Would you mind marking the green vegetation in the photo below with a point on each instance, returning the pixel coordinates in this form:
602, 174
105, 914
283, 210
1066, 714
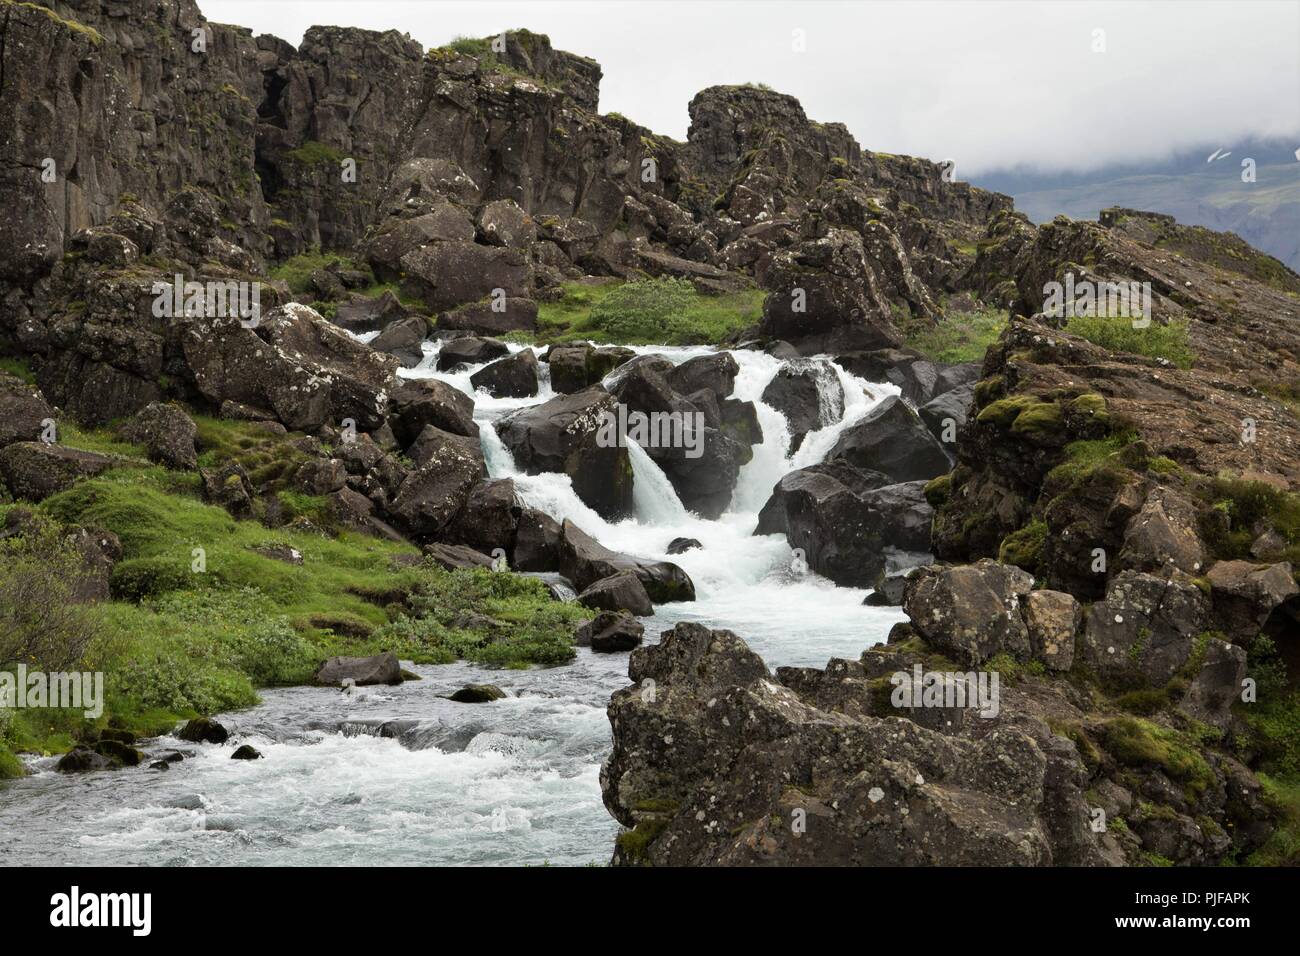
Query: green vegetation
313, 153
18, 368
1238, 508
1135, 742
959, 337
190, 632
297, 270
1119, 335
90, 33
647, 312
1024, 548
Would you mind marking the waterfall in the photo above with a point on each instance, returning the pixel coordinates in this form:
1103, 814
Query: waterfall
654, 500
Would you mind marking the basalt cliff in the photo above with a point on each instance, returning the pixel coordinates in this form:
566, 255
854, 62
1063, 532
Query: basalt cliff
1112, 514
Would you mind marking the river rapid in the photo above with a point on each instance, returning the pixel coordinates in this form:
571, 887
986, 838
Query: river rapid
401, 776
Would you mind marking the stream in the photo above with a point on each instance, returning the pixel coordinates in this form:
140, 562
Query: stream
401, 776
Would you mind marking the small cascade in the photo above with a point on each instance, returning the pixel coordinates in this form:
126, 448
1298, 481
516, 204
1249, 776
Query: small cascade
654, 499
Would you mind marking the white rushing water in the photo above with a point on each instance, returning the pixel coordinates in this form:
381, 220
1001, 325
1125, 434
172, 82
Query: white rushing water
512, 782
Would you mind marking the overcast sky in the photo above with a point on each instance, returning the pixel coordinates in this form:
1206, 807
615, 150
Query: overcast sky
990, 85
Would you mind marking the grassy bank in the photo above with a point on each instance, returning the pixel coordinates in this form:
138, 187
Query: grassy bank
204, 610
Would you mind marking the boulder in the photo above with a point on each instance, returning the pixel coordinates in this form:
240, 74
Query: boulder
447, 274
610, 632
370, 314
503, 223
84, 760
892, 439
23, 412
456, 557
433, 439
427, 401
434, 492
716, 372
584, 561
360, 671
512, 377
477, 694
1216, 683
1145, 629
166, 433
971, 612
305, 370
808, 393
246, 752
618, 592
537, 542
203, 730
562, 435
229, 487
682, 545
489, 519
1244, 595
575, 367
1163, 536
469, 350
494, 317
1053, 619
403, 339
34, 470
945, 414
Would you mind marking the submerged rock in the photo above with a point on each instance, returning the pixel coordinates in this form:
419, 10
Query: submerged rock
360, 671
204, 730
477, 694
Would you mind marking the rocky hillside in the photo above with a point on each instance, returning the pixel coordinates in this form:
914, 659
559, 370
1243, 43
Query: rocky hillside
1113, 505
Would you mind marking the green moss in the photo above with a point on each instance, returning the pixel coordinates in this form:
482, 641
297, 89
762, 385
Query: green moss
296, 272
1283, 846
1024, 547
1135, 742
635, 843
19, 369
81, 29
1039, 419
1004, 411
938, 489
986, 390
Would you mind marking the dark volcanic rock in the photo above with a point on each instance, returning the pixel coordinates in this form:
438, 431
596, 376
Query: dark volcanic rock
584, 561
204, 730
610, 632
561, 435
809, 395
427, 401
477, 694
470, 350
34, 470
893, 440
682, 545
166, 433
618, 592
513, 377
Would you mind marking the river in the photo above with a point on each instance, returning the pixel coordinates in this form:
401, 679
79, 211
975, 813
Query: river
401, 776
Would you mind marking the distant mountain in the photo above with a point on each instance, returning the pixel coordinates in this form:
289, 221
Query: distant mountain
1192, 187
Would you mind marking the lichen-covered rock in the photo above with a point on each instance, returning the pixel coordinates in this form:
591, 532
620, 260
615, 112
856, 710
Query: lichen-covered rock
35, 470
1245, 595
1053, 619
1145, 629
166, 433
971, 612
511, 377
618, 592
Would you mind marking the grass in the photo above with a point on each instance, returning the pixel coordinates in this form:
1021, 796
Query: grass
296, 272
1238, 507
647, 312
314, 153
1168, 342
1135, 742
960, 337
19, 369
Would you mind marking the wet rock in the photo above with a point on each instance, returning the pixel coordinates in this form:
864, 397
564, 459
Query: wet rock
716, 372
575, 367
562, 435
682, 545
891, 439
513, 377
246, 752
537, 542
477, 694
809, 395
584, 561
83, 760
361, 671
618, 592
403, 339
204, 730
971, 612
470, 350
610, 632
945, 414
